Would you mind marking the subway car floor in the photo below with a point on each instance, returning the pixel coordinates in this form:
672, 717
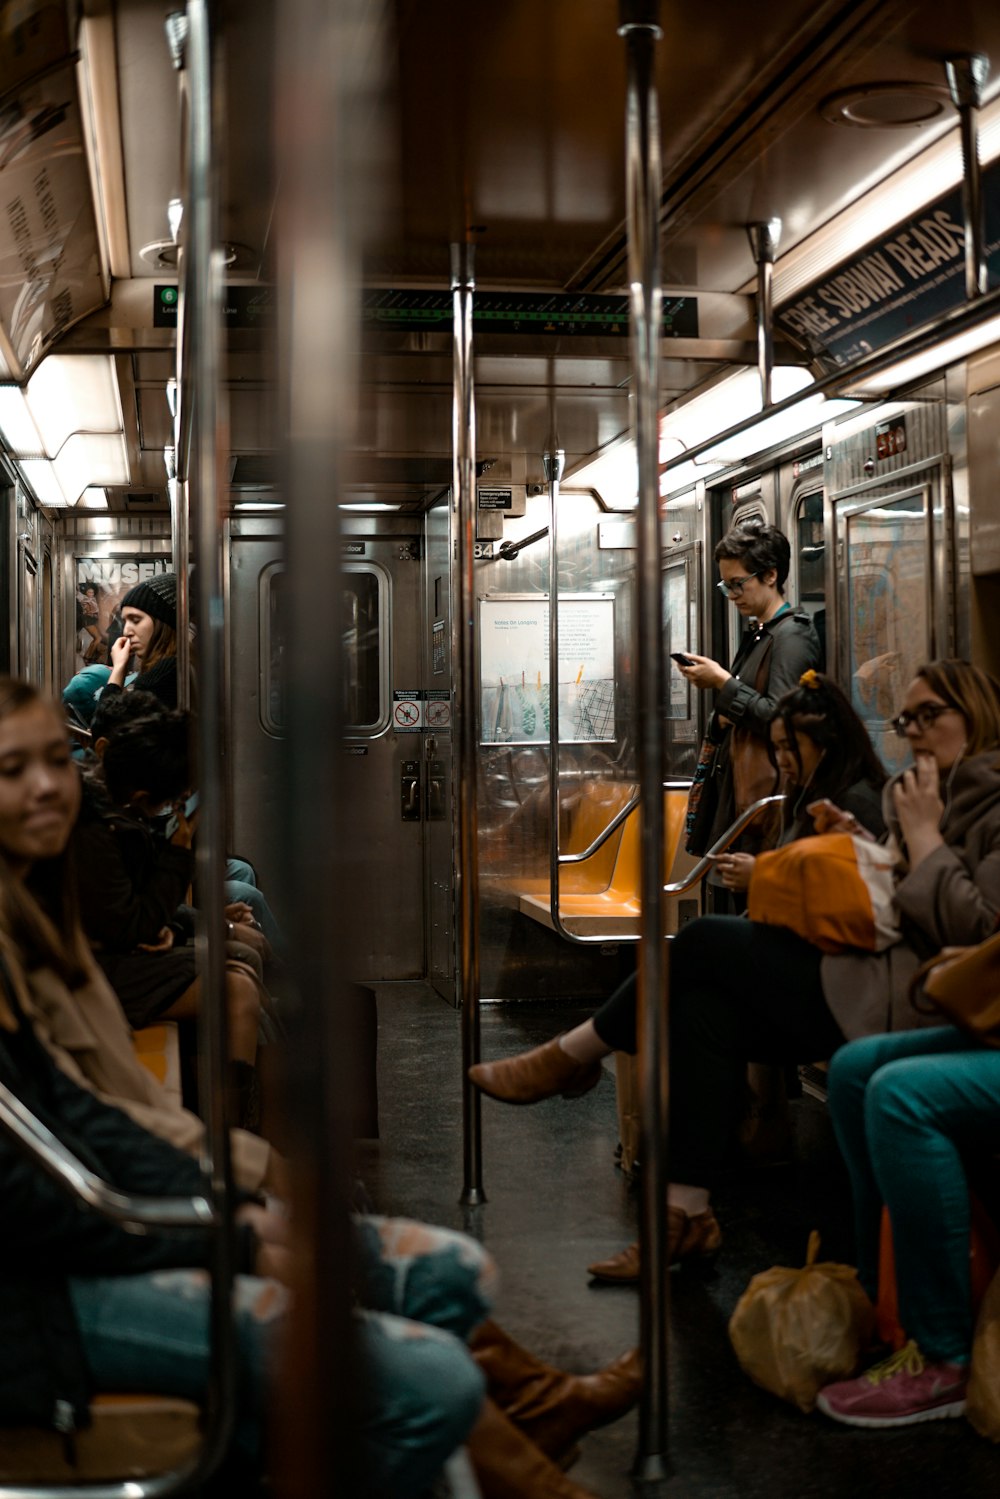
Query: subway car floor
556, 1201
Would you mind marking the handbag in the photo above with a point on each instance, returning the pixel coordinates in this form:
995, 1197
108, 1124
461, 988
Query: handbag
834, 889
963, 984
703, 798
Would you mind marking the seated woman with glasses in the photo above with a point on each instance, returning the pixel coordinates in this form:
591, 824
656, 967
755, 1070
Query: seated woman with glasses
753, 560
744, 992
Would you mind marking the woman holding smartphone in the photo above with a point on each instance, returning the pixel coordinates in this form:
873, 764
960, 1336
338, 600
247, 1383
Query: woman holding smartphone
754, 561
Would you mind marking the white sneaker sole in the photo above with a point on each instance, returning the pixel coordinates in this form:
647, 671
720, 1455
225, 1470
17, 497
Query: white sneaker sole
934, 1413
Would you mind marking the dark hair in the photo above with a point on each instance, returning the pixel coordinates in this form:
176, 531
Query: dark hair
819, 709
759, 547
116, 708
974, 693
149, 754
39, 916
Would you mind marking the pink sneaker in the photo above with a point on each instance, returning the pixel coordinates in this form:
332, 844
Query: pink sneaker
900, 1391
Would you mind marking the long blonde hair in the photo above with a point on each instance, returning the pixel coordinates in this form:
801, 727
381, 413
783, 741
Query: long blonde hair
39, 916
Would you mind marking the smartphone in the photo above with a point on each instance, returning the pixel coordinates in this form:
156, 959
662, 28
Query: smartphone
680, 656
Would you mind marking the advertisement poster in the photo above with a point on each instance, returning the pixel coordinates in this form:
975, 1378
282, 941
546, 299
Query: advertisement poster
101, 583
514, 669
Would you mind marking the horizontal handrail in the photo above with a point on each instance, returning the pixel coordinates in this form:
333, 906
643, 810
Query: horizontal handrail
604, 834
721, 844
35, 1140
615, 823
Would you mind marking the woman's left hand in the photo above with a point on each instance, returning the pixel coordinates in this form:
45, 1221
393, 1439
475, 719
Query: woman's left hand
735, 870
704, 672
917, 799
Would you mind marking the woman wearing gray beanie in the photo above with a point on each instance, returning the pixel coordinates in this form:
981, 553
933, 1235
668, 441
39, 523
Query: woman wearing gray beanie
148, 643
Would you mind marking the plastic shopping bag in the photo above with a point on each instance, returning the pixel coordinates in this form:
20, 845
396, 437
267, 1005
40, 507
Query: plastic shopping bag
795, 1331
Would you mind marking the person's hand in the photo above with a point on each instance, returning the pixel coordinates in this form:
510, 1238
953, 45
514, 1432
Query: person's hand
240, 912
121, 651
274, 1258
735, 870
704, 672
917, 799
252, 937
277, 1177
829, 818
163, 943
183, 834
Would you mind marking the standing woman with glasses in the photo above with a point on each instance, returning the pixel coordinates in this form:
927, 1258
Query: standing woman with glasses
753, 564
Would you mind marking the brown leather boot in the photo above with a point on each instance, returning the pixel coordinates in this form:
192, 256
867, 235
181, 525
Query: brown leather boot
697, 1238
508, 1465
536, 1074
552, 1407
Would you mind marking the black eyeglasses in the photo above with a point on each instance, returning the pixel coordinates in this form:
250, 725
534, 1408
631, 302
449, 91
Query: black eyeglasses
733, 587
924, 717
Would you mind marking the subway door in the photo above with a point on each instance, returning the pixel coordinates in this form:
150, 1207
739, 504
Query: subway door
383, 739
386, 766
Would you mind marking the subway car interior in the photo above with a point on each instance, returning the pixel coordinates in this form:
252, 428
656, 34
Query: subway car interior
383, 324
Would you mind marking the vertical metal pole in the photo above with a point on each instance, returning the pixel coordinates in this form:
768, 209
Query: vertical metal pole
204, 322
641, 31
180, 548
966, 79
764, 244
554, 463
463, 435
326, 109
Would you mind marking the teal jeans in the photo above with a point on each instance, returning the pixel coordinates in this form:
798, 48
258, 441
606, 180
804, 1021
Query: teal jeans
424, 1290
908, 1108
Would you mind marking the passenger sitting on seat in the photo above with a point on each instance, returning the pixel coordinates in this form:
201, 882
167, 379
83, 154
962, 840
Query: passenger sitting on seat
908, 1109
131, 879
245, 901
741, 991
148, 643
821, 750
405, 1269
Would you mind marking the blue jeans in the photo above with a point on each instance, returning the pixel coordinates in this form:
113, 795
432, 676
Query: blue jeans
907, 1107
426, 1289
241, 884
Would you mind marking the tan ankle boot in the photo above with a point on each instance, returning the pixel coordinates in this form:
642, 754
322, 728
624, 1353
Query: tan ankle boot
552, 1407
697, 1238
536, 1074
509, 1466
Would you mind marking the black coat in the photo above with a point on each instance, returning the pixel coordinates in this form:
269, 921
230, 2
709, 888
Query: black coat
776, 653
130, 878
48, 1236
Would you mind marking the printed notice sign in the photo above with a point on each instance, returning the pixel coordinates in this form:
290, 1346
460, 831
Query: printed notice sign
514, 669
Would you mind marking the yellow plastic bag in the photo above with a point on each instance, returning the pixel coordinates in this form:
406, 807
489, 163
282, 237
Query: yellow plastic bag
795, 1331
983, 1399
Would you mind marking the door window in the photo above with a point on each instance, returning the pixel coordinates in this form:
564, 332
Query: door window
364, 649
887, 611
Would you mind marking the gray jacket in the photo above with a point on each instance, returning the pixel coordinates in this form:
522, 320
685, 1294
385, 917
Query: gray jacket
952, 899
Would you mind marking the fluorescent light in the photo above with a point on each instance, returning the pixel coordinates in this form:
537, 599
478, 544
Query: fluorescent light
929, 360
93, 499
613, 474
264, 505
374, 505
40, 474
17, 424
71, 393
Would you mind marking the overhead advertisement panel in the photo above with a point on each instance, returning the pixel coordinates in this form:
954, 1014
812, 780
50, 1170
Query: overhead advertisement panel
49, 264
899, 282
